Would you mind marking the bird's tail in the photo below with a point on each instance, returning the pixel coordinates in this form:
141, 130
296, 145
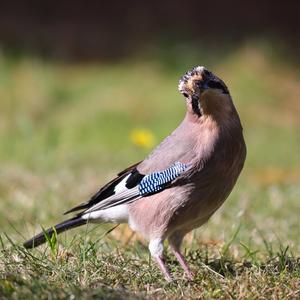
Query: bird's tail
59, 228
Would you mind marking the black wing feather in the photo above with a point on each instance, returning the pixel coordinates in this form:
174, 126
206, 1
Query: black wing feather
108, 189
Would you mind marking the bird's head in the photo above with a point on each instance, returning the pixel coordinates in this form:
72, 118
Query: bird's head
205, 93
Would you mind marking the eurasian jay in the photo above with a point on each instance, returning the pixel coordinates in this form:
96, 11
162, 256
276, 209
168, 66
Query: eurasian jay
185, 179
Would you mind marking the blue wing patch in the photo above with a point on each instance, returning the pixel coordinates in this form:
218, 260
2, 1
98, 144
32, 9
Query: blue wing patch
155, 182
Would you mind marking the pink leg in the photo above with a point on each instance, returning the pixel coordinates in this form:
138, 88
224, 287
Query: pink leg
163, 269
183, 264
175, 242
156, 249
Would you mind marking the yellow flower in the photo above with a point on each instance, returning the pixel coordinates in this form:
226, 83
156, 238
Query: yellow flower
142, 138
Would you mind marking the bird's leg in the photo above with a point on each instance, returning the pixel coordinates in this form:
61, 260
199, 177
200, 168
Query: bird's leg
175, 242
183, 264
163, 268
156, 249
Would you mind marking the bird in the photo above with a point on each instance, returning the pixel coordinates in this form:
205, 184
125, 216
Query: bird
181, 183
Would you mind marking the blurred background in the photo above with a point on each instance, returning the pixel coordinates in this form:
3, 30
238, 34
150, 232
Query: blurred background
88, 89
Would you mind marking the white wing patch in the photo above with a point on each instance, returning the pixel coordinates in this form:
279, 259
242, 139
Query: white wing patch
121, 186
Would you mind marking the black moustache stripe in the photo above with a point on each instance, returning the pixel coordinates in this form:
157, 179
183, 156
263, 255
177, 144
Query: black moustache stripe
196, 105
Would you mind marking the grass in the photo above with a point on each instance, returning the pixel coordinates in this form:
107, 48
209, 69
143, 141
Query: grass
66, 129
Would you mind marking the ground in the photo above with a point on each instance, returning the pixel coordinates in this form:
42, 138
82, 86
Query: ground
66, 129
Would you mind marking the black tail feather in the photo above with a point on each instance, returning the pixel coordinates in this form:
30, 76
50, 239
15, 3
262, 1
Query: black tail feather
59, 228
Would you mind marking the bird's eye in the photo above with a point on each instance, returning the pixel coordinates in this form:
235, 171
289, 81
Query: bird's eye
185, 95
215, 85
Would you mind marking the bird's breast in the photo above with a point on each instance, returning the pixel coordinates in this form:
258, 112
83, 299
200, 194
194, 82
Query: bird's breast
210, 185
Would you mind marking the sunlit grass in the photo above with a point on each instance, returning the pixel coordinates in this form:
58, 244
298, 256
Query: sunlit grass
66, 129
